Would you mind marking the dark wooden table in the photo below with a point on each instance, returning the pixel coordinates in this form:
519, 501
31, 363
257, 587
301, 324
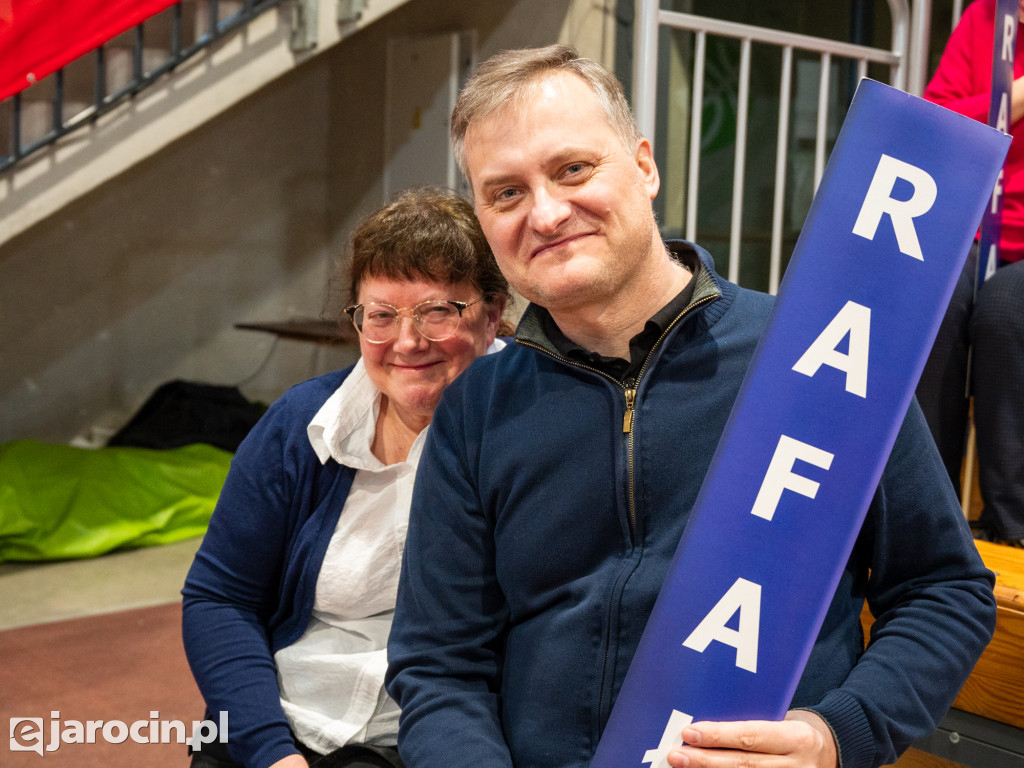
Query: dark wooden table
315, 330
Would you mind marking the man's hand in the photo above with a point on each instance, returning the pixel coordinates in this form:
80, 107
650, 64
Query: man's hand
802, 740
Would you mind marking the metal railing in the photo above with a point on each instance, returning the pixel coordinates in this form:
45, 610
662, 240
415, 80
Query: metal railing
650, 18
207, 27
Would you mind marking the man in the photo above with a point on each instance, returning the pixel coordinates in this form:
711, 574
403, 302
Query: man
558, 476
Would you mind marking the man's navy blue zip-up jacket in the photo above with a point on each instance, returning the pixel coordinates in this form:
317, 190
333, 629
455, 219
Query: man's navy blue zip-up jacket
541, 533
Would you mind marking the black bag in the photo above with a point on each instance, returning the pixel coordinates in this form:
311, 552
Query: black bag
184, 412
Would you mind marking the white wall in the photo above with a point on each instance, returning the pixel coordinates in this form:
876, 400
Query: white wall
141, 280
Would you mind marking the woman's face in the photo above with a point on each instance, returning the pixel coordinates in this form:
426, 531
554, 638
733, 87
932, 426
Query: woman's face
410, 370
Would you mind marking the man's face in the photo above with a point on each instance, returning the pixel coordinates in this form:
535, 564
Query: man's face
564, 205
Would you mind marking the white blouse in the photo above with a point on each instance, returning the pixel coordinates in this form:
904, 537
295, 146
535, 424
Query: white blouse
332, 678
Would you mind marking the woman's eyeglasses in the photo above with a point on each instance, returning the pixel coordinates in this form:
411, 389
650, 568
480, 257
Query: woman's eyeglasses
435, 320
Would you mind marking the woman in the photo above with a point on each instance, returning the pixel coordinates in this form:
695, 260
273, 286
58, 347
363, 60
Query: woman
288, 604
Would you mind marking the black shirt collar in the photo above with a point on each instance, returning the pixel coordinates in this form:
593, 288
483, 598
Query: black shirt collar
639, 346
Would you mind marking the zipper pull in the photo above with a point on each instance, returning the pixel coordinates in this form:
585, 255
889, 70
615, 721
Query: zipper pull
627, 417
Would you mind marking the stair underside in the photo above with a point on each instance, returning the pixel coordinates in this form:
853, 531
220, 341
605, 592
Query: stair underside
200, 89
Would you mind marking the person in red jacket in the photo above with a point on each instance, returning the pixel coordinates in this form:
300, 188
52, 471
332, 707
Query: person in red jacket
993, 324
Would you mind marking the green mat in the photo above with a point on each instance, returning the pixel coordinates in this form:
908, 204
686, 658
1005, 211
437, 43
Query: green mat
60, 502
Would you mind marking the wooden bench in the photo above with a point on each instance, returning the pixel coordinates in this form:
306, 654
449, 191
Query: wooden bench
985, 728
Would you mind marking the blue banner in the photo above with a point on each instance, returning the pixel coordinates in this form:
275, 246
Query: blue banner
1004, 45
813, 424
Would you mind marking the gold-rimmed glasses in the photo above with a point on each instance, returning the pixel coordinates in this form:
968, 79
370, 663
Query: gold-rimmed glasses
435, 319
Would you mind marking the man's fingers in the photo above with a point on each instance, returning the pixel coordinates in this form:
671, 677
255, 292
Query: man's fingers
796, 741
746, 736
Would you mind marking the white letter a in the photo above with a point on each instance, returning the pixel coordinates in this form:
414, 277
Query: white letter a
853, 319
743, 596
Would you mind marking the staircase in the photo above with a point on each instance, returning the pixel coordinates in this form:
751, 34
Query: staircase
150, 86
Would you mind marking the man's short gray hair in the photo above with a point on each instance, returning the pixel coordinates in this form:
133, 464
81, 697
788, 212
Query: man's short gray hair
505, 77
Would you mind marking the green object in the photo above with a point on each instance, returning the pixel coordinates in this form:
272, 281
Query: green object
59, 502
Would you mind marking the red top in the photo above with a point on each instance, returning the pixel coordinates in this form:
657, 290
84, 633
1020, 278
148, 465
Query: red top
963, 83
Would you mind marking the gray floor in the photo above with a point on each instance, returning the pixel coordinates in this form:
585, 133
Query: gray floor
34, 593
